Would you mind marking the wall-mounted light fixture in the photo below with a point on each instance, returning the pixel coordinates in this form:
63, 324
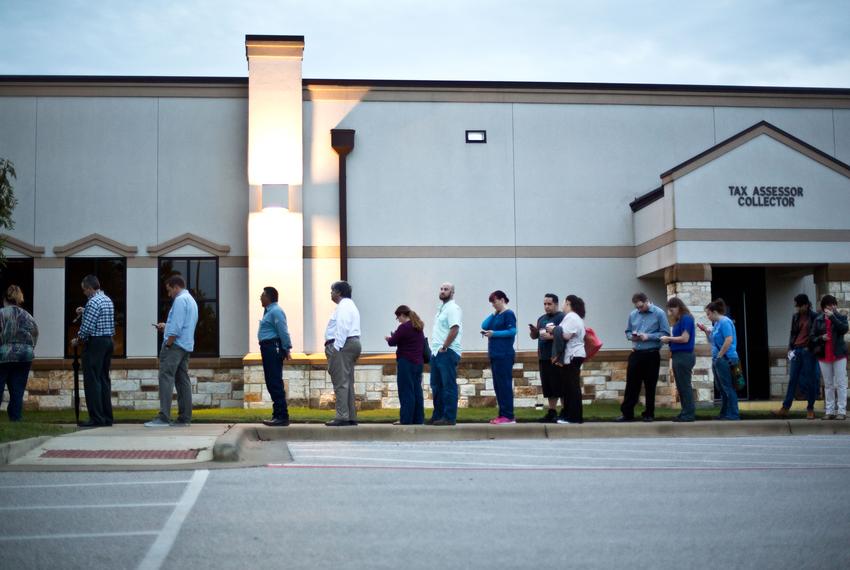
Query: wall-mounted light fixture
276, 196
476, 136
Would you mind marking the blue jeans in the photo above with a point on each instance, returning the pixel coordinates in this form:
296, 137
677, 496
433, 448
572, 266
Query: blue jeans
444, 385
14, 374
272, 356
728, 396
683, 368
805, 372
409, 380
503, 384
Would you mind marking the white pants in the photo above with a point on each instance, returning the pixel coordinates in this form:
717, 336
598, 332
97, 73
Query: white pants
835, 384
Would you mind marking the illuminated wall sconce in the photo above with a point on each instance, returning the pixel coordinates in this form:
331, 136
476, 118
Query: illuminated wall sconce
276, 196
476, 136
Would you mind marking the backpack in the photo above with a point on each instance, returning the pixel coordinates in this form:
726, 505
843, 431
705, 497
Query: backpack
592, 344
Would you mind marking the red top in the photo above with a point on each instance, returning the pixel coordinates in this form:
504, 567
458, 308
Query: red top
829, 354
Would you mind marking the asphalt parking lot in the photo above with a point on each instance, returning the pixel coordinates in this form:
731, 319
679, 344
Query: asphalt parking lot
748, 502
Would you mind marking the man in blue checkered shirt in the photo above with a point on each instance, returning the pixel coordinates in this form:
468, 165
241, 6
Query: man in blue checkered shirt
96, 332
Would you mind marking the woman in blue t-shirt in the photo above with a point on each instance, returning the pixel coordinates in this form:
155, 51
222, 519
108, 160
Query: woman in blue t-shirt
500, 330
681, 343
724, 356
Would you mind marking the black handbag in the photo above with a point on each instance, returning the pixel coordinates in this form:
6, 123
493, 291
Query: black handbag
426, 351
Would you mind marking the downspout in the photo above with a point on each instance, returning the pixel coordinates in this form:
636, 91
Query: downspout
342, 141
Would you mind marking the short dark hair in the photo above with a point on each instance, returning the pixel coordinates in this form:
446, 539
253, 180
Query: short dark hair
343, 288
91, 282
176, 281
498, 294
271, 293
802, 300
551, 296
827, 300
717, 306
639, 296
577, 305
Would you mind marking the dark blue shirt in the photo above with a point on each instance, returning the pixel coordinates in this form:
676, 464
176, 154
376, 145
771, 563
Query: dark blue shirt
503, 326
686, 323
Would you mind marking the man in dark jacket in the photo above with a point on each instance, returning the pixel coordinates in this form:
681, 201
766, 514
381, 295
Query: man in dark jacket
827, 338
802, 364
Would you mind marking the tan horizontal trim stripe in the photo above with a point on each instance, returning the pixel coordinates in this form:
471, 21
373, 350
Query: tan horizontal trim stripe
142, 263
200, 91
395, 94
321, 252
585, 251
494, 252
233, 261
601, 97
728, 235
48, 263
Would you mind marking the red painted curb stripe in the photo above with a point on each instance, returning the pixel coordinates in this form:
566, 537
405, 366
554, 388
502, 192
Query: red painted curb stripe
121, 454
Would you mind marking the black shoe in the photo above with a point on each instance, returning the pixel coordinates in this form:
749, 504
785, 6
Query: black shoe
648, 419
276, 422
431, 422
339, 423
444, 423
624, 419
551, 417
89, 424
681, 419
352, 422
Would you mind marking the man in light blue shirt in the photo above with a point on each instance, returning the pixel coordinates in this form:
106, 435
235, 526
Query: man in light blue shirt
178, 343
275, 345
445, 347
645, 327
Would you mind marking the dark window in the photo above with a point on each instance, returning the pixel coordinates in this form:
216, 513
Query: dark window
18, 271
112, 274
201, 276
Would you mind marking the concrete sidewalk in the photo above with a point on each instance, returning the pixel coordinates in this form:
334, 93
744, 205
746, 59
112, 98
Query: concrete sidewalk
126, 445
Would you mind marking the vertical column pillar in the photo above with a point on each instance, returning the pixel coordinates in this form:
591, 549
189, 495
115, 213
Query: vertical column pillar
275, 171
692, 284
833, 279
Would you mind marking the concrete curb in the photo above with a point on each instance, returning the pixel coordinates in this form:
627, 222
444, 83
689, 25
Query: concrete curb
12, 450
230, 445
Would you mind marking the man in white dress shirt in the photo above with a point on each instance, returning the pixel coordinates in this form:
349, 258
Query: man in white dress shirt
342, 348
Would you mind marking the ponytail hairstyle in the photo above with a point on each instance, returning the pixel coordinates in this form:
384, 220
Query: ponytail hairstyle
717, 306
675, 302
415, 320
14, 296
577, 305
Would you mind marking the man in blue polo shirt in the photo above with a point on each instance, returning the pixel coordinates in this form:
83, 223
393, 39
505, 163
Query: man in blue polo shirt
275, 346
178, 343
647, 324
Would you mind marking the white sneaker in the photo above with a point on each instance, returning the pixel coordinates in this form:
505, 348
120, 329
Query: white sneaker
562, 421
157, 422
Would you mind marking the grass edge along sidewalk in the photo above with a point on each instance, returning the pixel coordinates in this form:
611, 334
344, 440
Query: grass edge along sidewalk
50, 422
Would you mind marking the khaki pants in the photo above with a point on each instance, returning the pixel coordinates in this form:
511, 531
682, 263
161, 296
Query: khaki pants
341, 369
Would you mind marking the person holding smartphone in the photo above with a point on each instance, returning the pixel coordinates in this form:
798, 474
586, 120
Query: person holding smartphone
500, 330
548, 375
827, 336
681, 344
646, 325
724, 356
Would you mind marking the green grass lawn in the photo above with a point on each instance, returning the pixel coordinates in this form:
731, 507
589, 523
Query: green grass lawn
592, 412
13, 431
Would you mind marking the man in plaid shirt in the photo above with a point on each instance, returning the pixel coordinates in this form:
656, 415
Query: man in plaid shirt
96, 332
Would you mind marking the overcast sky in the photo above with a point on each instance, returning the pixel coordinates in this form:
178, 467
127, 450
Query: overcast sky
743, 42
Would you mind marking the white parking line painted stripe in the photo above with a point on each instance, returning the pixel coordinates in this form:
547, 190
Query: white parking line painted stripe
110, 506
78, 535
107, 484
159, 550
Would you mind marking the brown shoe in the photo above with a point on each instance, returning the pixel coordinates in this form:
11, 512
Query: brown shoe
780, 413
810, 415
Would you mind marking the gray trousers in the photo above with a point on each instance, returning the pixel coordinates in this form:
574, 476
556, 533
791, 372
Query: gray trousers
174, 372
341, 369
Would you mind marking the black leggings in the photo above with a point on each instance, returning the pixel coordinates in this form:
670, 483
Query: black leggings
571, 390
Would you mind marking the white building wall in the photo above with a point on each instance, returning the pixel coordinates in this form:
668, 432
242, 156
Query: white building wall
142, 287
782, 286
49, 311
17, 143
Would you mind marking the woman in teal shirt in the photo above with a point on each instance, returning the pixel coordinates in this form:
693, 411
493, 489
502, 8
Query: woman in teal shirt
724, 356
500, 330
